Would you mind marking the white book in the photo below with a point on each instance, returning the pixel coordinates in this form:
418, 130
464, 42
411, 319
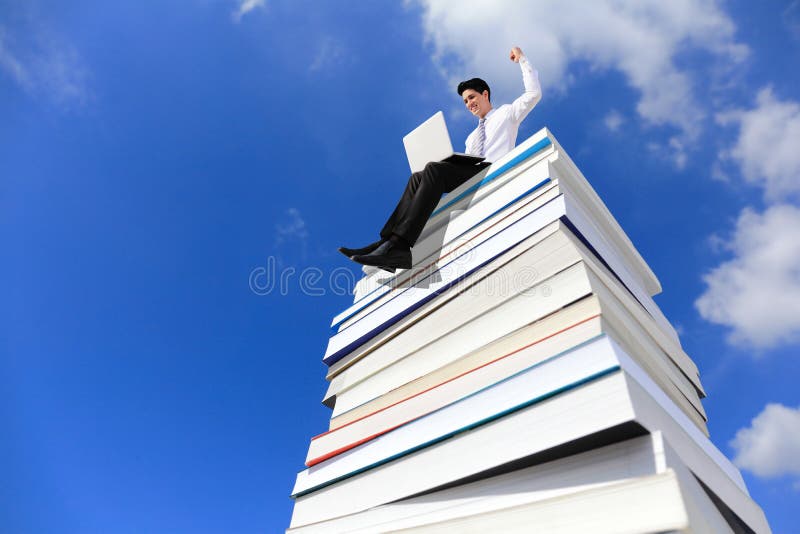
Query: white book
459, 291
409, 299
632, 458
603, 403
647, 504
637, 485
514, 285
538, 381
587, 410
474, 319
541, 332
426, 402
472, 328
514, 353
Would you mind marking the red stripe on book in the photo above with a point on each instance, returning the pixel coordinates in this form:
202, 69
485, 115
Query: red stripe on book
315, 461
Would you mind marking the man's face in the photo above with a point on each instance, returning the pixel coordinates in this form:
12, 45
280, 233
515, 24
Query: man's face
477, 103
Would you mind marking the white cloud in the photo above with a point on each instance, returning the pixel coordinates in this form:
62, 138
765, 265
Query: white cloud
9, 63
677, 149
791, 19
757, 293
245, 7
42, 65
330, 52
613, 120
770, 446
293, 228
639, 38
767, 146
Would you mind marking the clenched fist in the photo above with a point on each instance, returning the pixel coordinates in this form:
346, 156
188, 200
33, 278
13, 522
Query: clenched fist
516, 53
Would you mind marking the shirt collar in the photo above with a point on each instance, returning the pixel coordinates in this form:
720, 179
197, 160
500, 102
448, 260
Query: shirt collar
486, 117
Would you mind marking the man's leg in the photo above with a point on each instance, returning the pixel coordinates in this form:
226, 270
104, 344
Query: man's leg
386, 233
403, 204
422, 194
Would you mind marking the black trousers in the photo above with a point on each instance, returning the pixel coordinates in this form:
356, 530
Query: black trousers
423, 192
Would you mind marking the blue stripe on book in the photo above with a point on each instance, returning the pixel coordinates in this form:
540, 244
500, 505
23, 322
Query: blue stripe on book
522, 156
472, 426
497, 211
341, 353
548, 359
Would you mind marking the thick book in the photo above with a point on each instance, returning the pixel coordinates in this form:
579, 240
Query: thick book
636, 485
410, 375
541, 380
603, 401
481, 314
529, 345
545, 332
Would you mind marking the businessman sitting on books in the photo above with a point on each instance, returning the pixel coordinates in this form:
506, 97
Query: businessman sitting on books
495, 136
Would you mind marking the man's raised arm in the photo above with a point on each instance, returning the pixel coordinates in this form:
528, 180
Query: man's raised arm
533, 90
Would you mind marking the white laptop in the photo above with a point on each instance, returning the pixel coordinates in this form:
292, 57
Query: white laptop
430, 141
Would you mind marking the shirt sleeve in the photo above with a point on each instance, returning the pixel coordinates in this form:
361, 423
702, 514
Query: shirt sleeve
533, 92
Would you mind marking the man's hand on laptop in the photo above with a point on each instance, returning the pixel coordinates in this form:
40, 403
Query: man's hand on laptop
516, 53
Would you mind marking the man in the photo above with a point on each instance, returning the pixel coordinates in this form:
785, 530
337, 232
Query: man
495, 136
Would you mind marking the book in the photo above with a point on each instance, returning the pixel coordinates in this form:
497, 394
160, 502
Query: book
529, 345
636, 485
541, 380
476, 318
452, 390
539, 331
604, 404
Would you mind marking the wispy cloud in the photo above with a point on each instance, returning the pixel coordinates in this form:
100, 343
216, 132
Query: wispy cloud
330, 52
12, 66
44, 66
613, 120
244, 7
791, 19
770, 446
642, 39
292, 230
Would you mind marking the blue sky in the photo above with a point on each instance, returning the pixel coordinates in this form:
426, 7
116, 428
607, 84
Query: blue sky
157, 157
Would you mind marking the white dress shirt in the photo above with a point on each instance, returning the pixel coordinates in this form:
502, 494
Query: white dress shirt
502, 124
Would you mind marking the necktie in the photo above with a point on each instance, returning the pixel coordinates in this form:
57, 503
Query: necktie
481, 141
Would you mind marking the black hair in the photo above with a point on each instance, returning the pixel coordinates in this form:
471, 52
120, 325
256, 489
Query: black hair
475, 83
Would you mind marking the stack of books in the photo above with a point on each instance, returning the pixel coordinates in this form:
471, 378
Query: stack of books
519, 378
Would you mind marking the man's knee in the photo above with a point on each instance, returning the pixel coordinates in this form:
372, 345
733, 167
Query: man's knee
432, 171
433, 167
415, 179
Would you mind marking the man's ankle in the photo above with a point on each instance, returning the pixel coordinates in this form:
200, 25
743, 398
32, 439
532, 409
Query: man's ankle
399, 241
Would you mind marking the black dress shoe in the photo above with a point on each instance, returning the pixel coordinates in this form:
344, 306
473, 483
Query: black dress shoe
350, 252
387, 256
